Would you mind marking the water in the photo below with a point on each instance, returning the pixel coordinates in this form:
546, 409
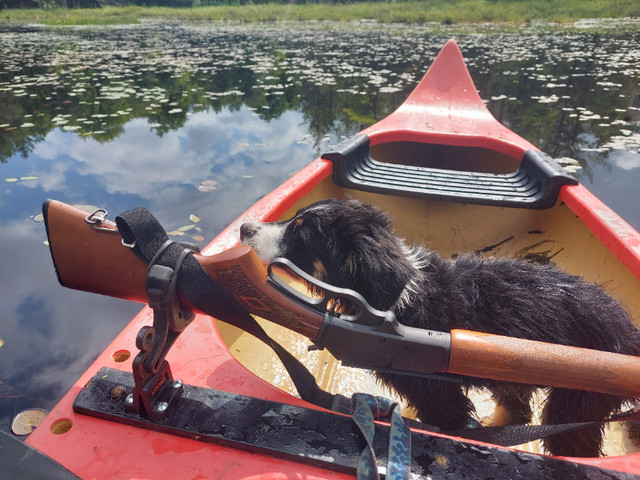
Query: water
198, 122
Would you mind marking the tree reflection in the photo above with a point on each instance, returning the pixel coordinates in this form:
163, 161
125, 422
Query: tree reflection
567, 96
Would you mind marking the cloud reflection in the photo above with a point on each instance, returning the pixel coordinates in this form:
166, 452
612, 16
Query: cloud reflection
222, 146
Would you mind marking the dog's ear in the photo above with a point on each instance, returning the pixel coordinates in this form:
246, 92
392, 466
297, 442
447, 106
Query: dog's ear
369, 257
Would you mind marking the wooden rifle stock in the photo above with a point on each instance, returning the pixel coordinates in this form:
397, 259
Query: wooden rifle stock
96, 261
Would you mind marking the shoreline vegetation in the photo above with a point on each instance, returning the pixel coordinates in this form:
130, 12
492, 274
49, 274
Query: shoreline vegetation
505, 13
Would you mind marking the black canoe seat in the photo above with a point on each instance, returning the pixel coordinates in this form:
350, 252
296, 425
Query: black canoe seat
535, 184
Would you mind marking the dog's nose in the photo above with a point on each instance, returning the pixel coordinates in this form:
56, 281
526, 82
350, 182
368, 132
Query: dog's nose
247, 230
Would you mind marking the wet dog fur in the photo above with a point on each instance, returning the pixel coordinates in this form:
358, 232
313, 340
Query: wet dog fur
352, 244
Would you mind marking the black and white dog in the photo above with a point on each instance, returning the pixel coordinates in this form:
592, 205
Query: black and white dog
352, 244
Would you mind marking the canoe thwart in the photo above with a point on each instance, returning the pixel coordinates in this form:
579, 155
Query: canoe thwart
316, 437
534, 185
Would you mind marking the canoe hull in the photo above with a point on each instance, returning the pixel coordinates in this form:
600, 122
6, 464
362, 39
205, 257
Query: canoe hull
445, 118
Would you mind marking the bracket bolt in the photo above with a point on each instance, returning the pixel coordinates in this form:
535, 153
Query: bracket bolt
161, 407
118, 391
129, 400
177, 384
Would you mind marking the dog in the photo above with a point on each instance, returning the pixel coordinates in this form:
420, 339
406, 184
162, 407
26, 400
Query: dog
352, 244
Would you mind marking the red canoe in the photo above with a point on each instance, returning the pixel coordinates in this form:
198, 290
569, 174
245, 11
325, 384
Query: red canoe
493, 191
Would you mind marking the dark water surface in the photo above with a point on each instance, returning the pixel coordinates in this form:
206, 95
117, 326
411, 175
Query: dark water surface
198, 122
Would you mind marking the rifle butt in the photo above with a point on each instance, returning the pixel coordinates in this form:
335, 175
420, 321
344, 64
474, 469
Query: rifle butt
90, 260
95, 260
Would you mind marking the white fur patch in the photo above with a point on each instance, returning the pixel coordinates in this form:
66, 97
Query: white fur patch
267, 240
416, 257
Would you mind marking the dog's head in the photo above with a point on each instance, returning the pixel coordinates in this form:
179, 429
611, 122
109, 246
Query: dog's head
344, 243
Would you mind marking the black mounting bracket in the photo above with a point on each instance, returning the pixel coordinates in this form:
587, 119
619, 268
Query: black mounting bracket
155, 389
316, 437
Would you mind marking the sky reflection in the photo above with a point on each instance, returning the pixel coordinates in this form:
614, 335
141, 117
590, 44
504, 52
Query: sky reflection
141, 116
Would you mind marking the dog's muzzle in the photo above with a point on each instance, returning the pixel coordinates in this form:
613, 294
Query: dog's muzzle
247, 231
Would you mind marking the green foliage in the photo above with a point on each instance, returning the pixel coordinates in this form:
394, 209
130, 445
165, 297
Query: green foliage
407, 11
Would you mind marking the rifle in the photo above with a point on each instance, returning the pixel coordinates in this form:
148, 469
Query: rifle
92, 257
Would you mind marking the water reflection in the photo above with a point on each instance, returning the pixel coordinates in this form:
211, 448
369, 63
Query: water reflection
131, 116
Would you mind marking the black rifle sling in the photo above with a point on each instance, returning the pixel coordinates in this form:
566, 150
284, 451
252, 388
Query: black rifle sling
144, 234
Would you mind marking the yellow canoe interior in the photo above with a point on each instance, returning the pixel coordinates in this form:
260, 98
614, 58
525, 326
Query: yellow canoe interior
554, 235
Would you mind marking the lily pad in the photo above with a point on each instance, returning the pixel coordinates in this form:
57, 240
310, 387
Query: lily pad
208, 186
194, 218
26, 421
